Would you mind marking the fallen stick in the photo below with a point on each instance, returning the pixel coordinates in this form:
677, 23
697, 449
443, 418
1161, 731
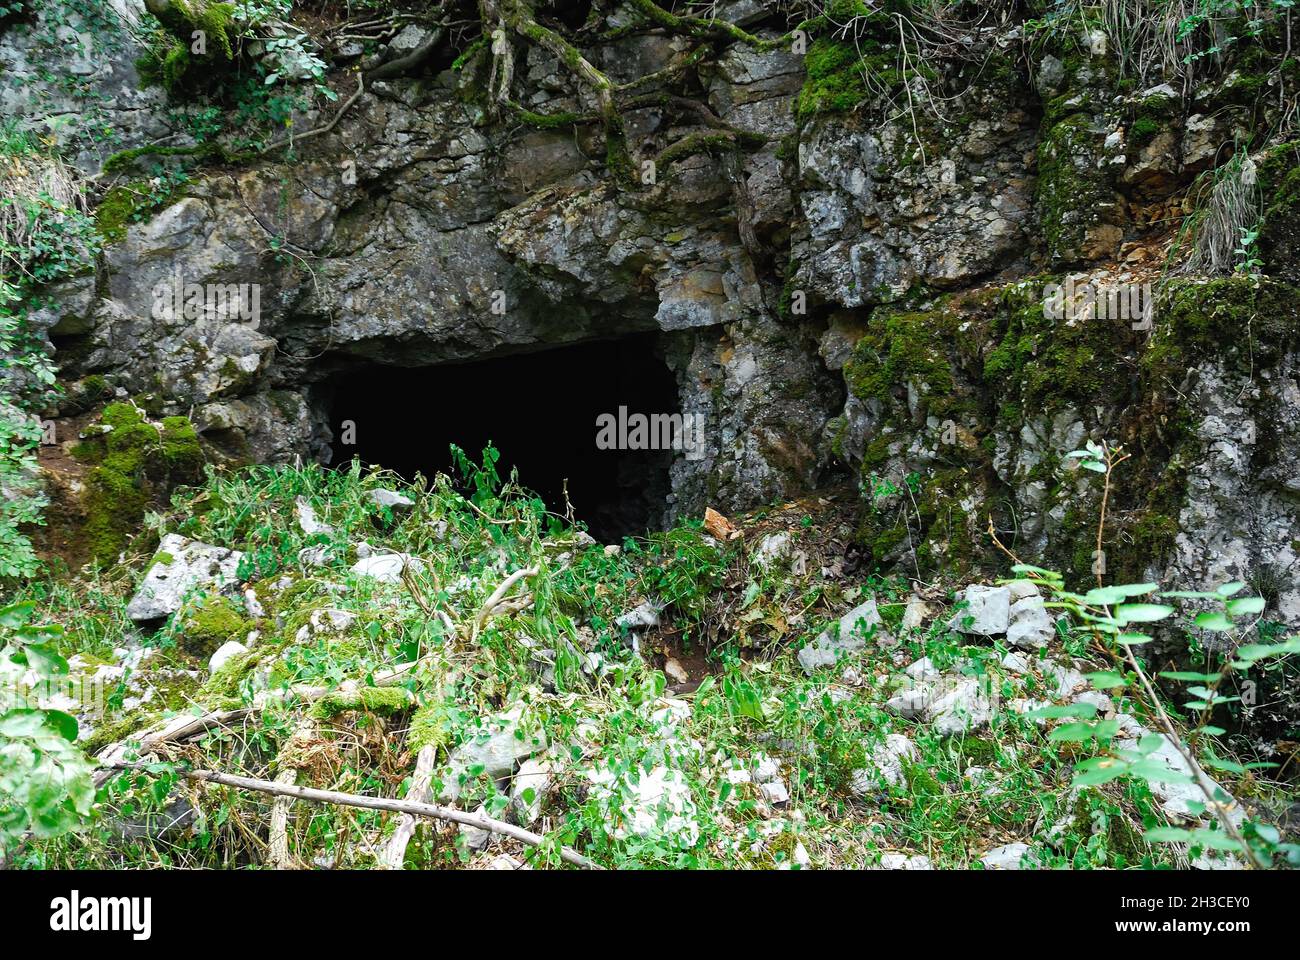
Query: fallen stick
394, 854
184, 727
431, 810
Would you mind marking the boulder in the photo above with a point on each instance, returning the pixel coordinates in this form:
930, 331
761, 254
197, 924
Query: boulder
179, 566
1029, 626
987, 612
884, 765
229, 649
848, 636
385, 567
389, 499
476, 838
1005, 857
960, 708
500, 743
534, 775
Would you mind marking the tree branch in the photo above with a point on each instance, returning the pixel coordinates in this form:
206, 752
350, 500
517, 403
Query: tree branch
430, 810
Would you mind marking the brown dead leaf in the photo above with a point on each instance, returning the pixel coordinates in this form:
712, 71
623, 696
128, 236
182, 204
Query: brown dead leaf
716, 525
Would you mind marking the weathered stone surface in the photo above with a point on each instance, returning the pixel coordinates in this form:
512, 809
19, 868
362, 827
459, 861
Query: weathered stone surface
1029, 626
229, 649
385, 567
848, 636
885, 765
499, 743
181, 565
1005, 857
987, 611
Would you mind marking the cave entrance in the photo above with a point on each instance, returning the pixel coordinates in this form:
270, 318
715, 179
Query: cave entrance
538, 409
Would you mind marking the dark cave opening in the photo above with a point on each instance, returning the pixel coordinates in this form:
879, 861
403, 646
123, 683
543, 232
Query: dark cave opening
538, 409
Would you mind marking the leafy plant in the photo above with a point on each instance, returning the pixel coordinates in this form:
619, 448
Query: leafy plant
45, 779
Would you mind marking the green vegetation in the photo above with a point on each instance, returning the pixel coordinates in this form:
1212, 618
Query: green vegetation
134, 461
349, 677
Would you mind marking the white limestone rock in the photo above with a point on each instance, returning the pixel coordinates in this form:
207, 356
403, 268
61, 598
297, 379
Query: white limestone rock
385, 567
901, 861
1005, 857
229, 649
885, 764
180, 566
987, 612
1029, 626
848, 636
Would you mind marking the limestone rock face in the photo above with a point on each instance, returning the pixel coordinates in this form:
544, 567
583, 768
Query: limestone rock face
857, 294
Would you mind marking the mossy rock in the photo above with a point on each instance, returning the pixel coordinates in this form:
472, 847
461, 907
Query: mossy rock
430, 727
131, 203
135, 463
175, 63
205, 627
1279, 230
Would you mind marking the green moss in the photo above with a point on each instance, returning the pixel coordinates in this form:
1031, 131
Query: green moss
1241, 321
225, 682
1144, 130
180, 445
130, 203
840, 75
134, 463
430, 726
207, 627
384, 701
1071, 191
978, 752
169, 64
1279, 228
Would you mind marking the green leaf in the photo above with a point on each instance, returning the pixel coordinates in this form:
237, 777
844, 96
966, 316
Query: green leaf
1226, 766
1099, 770
1251, 652
1228, 589
1213, 620
1167, 835
16, 615
65, 723
1132, 639
1189, 676
1105, 679
1142, 612
46, 661
1155, 771
1267, 832
1215, 840
1246, 606
21, 723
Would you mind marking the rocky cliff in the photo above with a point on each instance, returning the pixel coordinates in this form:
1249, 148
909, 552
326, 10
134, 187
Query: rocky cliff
840, 222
